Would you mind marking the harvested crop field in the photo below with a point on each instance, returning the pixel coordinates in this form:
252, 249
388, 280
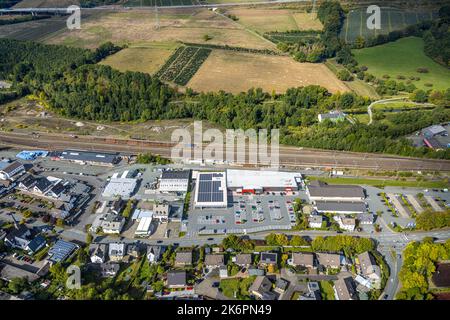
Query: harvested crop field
236, 72
33, 30
188, 25
266, 20
147, 58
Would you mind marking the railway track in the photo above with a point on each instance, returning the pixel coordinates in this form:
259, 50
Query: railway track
289, 156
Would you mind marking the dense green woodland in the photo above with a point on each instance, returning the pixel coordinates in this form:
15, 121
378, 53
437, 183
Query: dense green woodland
70, 82
419, 264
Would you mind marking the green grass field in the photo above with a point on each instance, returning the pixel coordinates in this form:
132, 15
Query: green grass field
403, 57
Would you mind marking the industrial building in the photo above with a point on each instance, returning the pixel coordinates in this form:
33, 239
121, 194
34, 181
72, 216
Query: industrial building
333, 116
320, 191
143, 228
436, 137
31, 155
175, 181
88, 157
341, 207
211, 190
258, 181
120, 187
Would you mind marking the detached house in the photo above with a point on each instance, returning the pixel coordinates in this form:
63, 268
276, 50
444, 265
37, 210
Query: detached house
243, 259
183, 259
368, 267
117, 251
331, 260
12, 170
344, 289
100, 254
214, 261
262, 288
154, 253
303, 259
268, 258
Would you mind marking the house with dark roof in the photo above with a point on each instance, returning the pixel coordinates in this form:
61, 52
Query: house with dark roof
19, 237
12, 170
281, 286
267, 258
176, 279
261, 286
344, 289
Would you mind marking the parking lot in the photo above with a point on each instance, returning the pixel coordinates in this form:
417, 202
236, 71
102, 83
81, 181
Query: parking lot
244, 212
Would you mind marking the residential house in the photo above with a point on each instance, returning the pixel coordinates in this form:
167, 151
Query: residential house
346, 223
334, 116
12, 170
183, 259
176, 279
281, 285
133, 250
369, 268
344, 289
303, 259
112, 223
214, 261
154, 253
117, 251
268, 258
109, 269
260, 286
313, 292
243, 259
254, 271
100, 254
366, 218
20, 237
315, 221
331, 260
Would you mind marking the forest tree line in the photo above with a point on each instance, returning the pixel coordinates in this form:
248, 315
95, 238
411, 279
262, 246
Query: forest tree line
69, 82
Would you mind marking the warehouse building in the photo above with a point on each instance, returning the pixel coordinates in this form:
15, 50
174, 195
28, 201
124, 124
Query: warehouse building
88, 157
211, 190
120, 187
257, 182
341, 207
320, 191
175, 181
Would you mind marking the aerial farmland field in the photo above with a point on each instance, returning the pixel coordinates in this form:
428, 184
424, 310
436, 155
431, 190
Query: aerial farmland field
236, 72
146, 57
403, 57
269, 19
391, 19
188, 25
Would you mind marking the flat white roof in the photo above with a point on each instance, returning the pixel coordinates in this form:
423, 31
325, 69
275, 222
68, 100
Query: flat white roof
256, 179
120, 187
144, 225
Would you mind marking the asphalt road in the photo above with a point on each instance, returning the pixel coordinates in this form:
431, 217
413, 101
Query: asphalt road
289, 156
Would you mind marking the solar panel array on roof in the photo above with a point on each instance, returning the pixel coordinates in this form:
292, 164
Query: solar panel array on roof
61, 250
208, 189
